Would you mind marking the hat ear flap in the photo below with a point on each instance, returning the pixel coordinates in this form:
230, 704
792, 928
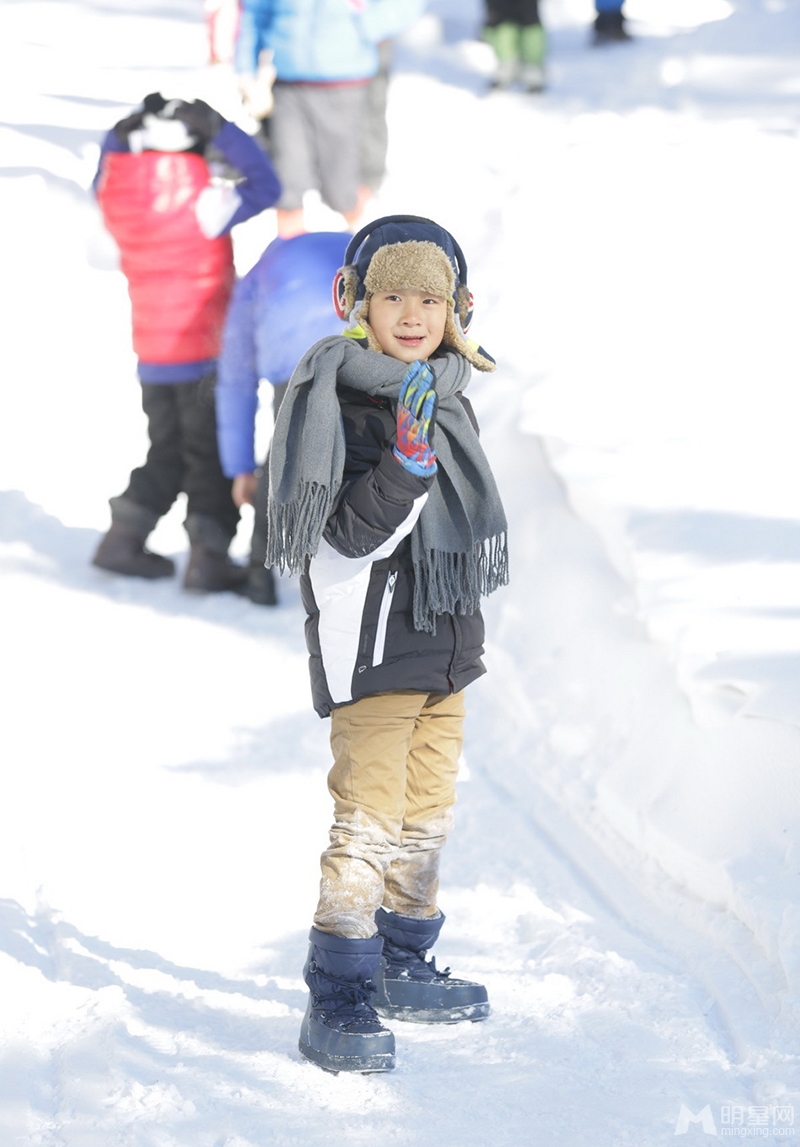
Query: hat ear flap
339, 296
345, 286
464, 306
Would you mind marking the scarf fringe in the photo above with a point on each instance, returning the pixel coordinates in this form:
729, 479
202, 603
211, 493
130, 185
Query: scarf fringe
455, 583
294, 529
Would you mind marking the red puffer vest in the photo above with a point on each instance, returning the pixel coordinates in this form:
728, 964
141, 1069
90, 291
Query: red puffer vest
178, 280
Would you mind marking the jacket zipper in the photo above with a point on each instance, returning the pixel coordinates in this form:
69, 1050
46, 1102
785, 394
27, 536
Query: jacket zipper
456, 650
383, 619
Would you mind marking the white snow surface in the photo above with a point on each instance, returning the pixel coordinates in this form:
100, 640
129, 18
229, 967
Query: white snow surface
624, 870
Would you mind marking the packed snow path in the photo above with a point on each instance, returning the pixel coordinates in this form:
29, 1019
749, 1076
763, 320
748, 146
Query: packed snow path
165, 800
607, 1014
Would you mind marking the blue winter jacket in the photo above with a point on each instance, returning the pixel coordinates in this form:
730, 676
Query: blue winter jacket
320, 41
278, 310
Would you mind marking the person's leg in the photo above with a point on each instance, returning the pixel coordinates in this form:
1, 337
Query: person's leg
374, 138
532, 46
258, 539
371, 740
158, 482
341, 1030
609, 24
292, 154
501, 32
208, 491
260, 587
212, 516
408, 986
338, 115
412, 879
151, 490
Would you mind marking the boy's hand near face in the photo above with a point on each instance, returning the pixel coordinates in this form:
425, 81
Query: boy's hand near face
415, 407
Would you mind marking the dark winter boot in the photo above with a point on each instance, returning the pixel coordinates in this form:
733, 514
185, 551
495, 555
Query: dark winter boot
122, 550
341, 1030
260, 585
411, 988
210, 570
609, 28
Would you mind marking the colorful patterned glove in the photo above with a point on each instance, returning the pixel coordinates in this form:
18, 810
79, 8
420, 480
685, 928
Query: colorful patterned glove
414, 412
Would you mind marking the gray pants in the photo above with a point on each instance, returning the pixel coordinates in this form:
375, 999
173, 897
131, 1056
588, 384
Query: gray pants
315, 131
375, 134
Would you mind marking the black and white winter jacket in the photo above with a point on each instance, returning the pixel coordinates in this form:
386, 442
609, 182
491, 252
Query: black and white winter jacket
358, 589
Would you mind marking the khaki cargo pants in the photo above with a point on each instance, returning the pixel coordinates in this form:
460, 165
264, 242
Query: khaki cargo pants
393, 785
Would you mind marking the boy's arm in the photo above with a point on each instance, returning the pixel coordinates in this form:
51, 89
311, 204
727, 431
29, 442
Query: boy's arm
236, 392
376, 504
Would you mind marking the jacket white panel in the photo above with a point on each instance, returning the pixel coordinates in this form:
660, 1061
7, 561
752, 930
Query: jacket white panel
340, 587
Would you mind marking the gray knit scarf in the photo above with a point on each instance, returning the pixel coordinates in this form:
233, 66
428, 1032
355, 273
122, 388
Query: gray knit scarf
458, 545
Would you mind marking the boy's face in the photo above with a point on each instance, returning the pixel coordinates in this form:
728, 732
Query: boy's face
409, 325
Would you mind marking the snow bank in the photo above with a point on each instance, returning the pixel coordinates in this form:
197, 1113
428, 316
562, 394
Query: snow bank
642, 266
634, 240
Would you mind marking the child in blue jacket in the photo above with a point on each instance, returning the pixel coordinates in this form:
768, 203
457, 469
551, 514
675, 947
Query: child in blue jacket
278, 310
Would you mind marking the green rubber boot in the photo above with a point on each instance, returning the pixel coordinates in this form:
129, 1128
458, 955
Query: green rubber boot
533, 46
504, 42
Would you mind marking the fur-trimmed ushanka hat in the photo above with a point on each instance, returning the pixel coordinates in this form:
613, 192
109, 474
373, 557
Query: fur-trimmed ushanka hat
408, 252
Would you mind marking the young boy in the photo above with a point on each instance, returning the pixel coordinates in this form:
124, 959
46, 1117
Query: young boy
381, 494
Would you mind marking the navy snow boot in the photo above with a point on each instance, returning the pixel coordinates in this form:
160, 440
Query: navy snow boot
341, 1030
411, 988
609, 28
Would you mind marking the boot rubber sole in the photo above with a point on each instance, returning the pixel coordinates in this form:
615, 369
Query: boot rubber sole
367, 1064
454, 1015
149, 571
341, 1051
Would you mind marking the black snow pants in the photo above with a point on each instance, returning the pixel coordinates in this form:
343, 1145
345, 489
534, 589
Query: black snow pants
183, 454
522, 12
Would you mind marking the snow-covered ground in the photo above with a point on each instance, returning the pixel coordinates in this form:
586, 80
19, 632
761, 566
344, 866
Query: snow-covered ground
624, 871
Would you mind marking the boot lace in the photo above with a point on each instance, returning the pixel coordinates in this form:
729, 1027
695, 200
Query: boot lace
412, 965
346, 1000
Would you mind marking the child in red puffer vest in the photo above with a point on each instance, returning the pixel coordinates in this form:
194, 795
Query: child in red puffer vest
171, 216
